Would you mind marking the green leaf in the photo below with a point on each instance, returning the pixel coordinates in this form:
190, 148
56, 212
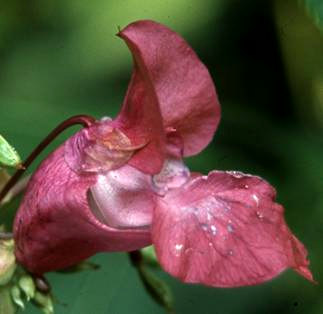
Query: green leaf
315, 10
8, 155
6, 304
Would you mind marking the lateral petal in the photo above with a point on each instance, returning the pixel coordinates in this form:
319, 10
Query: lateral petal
225, 230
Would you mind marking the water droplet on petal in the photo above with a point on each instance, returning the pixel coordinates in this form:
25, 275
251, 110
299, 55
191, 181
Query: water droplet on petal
178, 247
230, 228
210, 244
255, 198
260, 215
173, 175
230, 252
204, 227
213, 229
246, 186
106, 119
235, 174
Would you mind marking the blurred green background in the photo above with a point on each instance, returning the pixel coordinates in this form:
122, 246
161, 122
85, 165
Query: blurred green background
61, 58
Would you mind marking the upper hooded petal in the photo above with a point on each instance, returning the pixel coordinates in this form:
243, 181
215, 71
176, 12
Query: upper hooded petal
169, 79
225, 230
55, 227
141, 121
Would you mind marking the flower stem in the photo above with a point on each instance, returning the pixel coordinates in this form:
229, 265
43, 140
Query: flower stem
84, 120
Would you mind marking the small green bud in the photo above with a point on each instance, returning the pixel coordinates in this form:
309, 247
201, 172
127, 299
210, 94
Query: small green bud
8, 155
45, 302
7, 261
149, 255
27, 285
16, 297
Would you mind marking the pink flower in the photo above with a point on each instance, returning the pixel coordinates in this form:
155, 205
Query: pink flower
121, 184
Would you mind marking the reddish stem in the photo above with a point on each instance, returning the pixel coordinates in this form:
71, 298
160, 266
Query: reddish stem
84, 120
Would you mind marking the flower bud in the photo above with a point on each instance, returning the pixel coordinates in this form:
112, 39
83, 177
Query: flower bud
17, 297
7, 261
27, 285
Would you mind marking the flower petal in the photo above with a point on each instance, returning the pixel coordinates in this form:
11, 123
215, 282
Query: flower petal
123, 198
225, 230
167, 69
140, 119
55, 227
97, 149
173, 175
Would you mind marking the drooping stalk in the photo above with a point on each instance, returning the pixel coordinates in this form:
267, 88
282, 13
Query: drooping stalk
84, 120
